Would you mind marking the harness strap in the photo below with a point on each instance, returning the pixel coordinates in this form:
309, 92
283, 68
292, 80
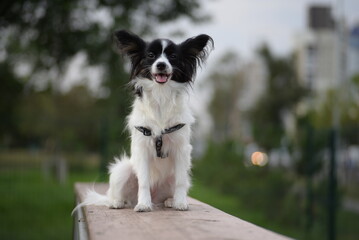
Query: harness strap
158, 140
174, 128
158, 147
145, 131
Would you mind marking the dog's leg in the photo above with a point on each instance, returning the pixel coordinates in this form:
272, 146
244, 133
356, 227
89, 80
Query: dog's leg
182, 178
144, 203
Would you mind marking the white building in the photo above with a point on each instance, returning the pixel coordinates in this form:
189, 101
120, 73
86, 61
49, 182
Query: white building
327, 54
316, 51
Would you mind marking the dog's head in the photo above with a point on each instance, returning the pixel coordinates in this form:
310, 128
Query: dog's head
162, 60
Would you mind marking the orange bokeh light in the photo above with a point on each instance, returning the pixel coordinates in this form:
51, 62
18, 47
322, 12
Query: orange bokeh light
259, 159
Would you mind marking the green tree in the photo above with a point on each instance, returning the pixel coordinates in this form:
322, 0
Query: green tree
282, 94
44, 35
10, 94
70, 120
345, 101
226, 80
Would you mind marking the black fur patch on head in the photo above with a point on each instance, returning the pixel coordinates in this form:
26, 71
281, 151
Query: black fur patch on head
184, 58
193, 53
131, 45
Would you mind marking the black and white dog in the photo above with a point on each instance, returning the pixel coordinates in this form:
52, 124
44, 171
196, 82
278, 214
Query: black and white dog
160, 124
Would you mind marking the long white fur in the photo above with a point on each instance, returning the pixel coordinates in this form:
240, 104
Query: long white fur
143, 178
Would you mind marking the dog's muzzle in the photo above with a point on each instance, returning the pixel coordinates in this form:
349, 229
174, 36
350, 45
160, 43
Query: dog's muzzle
158, 140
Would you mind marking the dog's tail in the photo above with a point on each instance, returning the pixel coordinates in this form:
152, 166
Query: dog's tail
120, 172
93, 198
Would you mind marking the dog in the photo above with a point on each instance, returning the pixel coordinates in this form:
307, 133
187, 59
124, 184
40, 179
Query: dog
158, 169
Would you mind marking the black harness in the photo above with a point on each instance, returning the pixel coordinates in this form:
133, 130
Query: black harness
158, 140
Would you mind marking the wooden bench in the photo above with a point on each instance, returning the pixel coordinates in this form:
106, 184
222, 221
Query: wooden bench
200, 222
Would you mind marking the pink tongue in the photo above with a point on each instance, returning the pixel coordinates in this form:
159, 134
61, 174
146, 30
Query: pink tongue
161, 78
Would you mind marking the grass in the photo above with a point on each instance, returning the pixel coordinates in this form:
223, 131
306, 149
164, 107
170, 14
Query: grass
36, 208
33, 206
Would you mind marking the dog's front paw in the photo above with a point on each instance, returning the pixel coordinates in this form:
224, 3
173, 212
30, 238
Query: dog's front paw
180, 206
169, 203
143, 208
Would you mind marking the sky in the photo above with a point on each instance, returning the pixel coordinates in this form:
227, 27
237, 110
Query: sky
243, 25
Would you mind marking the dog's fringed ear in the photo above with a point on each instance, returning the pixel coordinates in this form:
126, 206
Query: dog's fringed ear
198, 48
129, 44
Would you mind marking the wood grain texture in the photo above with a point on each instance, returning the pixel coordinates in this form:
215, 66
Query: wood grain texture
200, 222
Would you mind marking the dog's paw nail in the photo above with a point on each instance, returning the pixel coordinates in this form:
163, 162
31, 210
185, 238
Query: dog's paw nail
169, 203
143, 208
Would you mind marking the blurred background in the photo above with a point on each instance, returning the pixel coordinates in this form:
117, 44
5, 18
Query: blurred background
276, 140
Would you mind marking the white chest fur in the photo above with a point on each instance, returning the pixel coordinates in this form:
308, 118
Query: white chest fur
160, 107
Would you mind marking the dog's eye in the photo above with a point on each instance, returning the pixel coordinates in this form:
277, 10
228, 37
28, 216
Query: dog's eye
150, 55
173, 56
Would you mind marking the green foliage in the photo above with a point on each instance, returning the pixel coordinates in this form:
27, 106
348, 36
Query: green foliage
355, 80
343, 105
209, 165
309, 142
282, 94
71, 119
51, 32
43, 36
10, 95
225, 169
227, 80
260, 196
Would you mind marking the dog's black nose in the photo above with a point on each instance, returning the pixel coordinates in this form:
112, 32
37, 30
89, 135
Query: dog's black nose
161, 66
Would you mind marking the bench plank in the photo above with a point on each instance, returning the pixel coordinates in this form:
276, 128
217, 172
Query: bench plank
200, 222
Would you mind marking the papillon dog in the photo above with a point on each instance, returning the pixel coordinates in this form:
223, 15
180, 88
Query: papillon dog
158, 170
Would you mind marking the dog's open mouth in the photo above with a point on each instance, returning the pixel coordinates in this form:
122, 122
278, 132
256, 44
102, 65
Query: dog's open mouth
161, 77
